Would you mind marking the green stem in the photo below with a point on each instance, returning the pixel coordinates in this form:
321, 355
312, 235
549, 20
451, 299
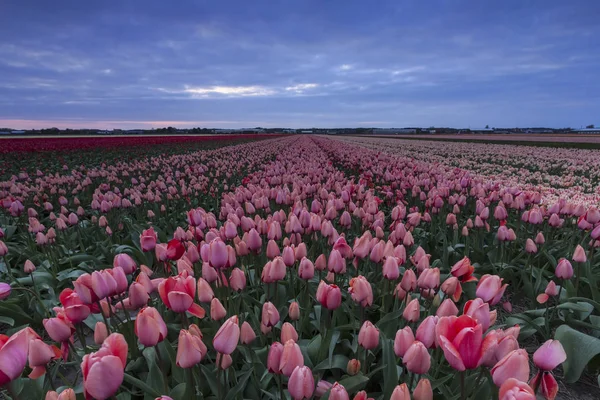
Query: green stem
462, 385
104, 317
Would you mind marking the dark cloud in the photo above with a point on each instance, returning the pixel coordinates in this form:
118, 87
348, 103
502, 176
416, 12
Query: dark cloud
309, 63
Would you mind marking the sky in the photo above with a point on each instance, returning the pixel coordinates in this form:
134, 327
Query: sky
284, 63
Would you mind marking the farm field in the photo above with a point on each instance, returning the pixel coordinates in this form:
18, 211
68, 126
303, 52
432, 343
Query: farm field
297, 267
513, 137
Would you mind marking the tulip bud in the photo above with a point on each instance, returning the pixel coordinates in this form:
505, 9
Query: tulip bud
353, 367
294, 311
247, 334
100, 333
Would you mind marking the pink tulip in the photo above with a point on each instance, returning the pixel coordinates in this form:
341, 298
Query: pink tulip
291, 357
100, 332
423, 391
288, 332
247, 334
490, 289
361, 291
401, 392
148, 240
138, 295
514, 365
217, 311
274, 357
103, 371
409, 280
306, 269
549, 355
329, 296
126, 262
513, 389
14, 352
368, 336
426, 331
301, 383
412, 311
149, 327
270, 315
403, 340
579, 255
416, 358
353, 367
564, 269
294, 311
337, 392
5, 290
390, 268
190, 348
226, 338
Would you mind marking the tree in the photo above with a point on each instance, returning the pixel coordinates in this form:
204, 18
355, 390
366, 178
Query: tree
487, 127
590, 126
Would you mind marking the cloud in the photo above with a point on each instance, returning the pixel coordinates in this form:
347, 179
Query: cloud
283, 63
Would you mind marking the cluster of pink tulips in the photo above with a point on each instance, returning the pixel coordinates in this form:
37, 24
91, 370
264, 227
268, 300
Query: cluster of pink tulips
294, 267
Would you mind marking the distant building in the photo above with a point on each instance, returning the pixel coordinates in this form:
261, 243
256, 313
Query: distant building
394, 131
539, 130
587, 130
306, 132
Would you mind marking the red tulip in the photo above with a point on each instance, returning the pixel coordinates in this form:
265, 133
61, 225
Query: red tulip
226, 338
452, 287
549, 386
178, 292
460, 338
175, 250
463, 270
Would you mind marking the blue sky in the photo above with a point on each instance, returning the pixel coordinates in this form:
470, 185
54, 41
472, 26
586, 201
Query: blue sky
277, 63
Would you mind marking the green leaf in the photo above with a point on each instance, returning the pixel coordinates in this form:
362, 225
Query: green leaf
155, 377
335, 335
390, 373
338, 361
7, 320
141, 385
178, 392
239, 388
353, 384
580, 349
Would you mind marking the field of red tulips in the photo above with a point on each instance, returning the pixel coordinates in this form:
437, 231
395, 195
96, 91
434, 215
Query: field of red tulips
299, 267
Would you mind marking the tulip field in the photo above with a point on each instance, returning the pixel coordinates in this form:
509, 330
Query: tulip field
297, 267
